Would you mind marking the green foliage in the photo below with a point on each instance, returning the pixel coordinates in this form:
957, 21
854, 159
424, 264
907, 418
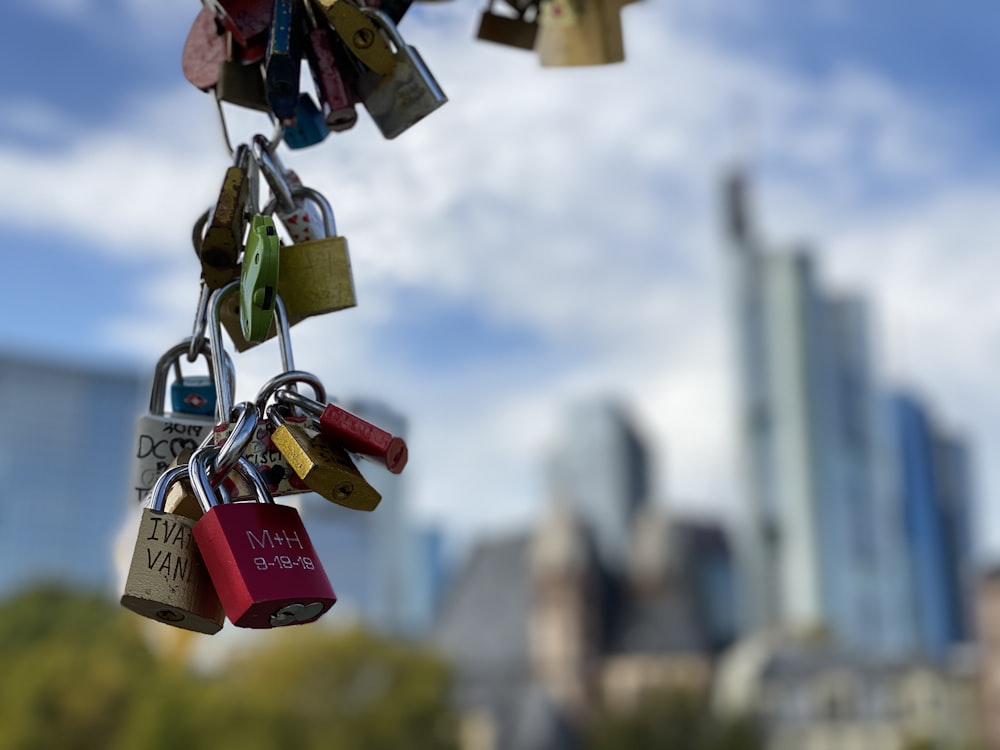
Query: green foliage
77, 673
671, 720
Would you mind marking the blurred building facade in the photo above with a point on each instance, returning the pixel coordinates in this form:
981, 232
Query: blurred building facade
545, 626
834, 488
66, 459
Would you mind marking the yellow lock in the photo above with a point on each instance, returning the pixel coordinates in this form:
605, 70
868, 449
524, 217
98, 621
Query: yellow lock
580, 32
323, 467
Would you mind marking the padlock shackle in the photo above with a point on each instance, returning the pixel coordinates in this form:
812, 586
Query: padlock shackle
274, 173
281, 381
157, 498
309, 194
224, 395
314, 407
202, 481
244, 417
158, 393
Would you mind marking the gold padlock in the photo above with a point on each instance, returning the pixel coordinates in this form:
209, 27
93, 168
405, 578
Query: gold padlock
167, 579
325, 468
580, 32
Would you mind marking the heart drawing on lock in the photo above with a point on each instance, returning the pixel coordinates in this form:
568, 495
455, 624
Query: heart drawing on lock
294, 613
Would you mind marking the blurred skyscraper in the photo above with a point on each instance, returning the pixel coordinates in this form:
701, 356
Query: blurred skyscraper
935, 489
66, 455
601, 468
824, 542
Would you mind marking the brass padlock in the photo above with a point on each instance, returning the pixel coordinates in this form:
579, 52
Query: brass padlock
325, 468
405, 95
514, 31
167, 579
220, 248
589, 33
315, 276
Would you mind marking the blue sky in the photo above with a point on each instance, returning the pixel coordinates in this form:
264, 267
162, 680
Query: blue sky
548, 235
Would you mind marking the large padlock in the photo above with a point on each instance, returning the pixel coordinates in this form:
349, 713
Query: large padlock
520, 30
408, 93
350, 431
160, 436
358, 35
167, 579
264, 567
316, 275
580, 32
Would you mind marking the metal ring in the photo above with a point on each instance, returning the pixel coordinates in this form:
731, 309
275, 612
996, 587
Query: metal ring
269, 166
279, 382
243, 429
200, 324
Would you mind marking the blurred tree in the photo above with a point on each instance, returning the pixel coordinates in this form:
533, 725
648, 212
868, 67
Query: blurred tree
77, 674
670, 719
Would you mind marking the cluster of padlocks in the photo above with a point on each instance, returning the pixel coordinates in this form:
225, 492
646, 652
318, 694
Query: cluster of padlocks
212, 541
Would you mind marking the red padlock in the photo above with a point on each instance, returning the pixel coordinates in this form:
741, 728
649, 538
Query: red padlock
351, 432
259, 556
246, 19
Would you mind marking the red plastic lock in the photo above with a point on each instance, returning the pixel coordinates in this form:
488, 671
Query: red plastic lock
263, 565
351, 432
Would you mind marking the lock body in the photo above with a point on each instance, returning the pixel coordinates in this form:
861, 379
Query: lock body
204, 51
266, 458
263, 565
193, 394
520, 31
167, 578
309, 126
324, 467
588, 33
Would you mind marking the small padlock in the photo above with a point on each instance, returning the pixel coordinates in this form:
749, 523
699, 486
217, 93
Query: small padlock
283, 61
246, 20
220, 248
160, 437
587, 32
192, 394
264, 567
407, 94
316, 275
308, 127
204, 51
514, 31
350, 431
324, 466
259, 279
335, 96
241, 82
167, 579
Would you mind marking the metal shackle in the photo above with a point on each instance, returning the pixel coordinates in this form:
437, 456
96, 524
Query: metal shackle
280, 383
157, 498
314, 407
158, 393
224, 396
274, 173
201, 479
318, 199
244, 417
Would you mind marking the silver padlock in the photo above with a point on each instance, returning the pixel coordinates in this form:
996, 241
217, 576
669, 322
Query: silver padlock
406, 95
162, 436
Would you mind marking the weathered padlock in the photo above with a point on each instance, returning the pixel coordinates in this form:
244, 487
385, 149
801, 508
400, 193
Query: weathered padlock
264, 567
339, 112
519, 30
359, 35
222, 244
407, 94
246, 20
324, 466
167, 579
316, 275
160, 437
308, 126
283, 61
204, 51
350, 431
580, 32
241, 82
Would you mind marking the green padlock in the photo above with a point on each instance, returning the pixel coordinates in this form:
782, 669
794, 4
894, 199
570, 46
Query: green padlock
259, 280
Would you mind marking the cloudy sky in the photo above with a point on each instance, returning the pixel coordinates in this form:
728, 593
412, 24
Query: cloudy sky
549, 235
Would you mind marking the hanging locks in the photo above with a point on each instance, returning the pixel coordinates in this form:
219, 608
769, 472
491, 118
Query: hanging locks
167, 579
260, 558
